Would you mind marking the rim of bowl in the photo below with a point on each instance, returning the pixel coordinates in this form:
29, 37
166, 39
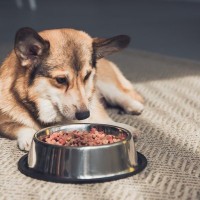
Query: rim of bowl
128, 138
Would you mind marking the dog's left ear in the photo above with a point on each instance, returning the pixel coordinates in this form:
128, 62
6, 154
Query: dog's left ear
104, 47
30, 47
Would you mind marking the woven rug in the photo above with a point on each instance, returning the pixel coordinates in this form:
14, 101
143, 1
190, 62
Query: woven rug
171, 139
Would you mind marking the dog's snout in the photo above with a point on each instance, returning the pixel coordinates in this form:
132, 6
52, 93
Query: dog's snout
82, 115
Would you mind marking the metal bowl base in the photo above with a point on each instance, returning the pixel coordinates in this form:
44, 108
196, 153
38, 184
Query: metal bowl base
24, 169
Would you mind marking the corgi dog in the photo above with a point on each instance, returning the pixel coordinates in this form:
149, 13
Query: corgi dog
57, 77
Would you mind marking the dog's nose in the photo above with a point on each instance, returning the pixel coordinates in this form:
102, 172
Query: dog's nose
82, 115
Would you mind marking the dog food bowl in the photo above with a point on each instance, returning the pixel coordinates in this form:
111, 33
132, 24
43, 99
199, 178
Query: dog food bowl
69, 164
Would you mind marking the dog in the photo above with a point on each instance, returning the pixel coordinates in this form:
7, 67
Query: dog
58, 77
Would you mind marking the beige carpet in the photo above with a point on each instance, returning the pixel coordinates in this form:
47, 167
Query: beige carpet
170, 140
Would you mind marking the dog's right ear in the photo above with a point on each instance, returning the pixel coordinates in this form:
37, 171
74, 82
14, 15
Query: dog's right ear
30, 47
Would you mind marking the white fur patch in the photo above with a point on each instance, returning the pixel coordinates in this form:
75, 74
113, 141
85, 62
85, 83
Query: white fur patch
47, 112
24, 138
134, 105
116, 97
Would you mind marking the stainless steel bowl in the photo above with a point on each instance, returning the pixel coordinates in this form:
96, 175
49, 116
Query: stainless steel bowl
84, 163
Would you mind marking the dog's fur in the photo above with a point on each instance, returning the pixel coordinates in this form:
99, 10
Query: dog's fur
56, 77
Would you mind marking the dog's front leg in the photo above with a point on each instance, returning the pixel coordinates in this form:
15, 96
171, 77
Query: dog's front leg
22, 133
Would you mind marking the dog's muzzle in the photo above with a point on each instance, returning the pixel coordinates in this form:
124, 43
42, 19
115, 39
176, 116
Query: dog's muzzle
82, 115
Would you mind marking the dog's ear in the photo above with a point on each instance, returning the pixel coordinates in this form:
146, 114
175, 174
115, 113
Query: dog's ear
103, 47
30, 47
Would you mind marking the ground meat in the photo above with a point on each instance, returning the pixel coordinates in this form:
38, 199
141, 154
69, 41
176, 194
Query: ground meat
82, 138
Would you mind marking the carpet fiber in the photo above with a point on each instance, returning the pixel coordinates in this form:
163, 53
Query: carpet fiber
171, 139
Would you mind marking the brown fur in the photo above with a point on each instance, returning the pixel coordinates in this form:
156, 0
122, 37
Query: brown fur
28, 81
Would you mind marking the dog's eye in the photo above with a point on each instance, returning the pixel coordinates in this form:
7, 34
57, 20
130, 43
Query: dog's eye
87, 76
62, 80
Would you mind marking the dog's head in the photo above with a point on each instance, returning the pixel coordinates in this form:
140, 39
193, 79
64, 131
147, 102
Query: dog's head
60, 68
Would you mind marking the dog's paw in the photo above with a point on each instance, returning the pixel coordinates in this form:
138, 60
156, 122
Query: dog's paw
133, 107
24, 138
